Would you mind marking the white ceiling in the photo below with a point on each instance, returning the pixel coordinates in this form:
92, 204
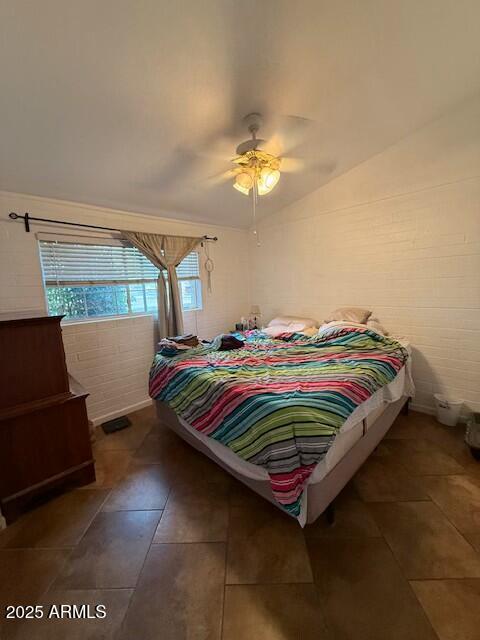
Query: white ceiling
111, 102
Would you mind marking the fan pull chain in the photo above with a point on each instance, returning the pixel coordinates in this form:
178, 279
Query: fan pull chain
254, 203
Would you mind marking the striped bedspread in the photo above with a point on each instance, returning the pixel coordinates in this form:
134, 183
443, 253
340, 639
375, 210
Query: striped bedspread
278, 403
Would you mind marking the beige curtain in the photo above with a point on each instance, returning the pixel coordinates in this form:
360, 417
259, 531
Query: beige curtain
166, 253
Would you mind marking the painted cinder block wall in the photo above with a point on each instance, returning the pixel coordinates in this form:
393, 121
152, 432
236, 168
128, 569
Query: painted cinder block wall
112, 357
398, 234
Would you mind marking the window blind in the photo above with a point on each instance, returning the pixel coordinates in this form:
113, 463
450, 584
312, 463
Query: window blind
189, 268
68, 263
83, 264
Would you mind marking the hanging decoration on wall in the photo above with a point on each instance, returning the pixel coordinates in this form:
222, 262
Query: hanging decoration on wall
209, 267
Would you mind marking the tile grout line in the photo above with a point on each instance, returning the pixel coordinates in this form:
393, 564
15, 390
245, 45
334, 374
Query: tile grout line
109, 490
134, 588
461, 533
408, 581
431, 501
402, 573
430, 498
222, 618
69, 548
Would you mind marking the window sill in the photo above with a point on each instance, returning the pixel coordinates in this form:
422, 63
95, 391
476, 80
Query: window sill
130, 316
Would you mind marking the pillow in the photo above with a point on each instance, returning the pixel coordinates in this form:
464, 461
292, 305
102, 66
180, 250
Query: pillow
293, 327
287, 320
276, 330
339, 324
374, 324
310, 331
350, 314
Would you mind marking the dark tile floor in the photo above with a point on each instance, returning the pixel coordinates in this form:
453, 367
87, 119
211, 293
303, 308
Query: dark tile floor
176, 549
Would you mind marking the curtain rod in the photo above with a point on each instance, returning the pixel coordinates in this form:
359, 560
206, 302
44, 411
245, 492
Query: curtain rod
27, 218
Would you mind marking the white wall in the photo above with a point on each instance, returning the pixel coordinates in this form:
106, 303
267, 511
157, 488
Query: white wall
111, 358
399, 234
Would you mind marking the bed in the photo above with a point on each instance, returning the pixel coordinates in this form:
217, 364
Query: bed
343, 436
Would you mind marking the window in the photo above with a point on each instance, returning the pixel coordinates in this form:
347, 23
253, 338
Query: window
85, 280
188, 274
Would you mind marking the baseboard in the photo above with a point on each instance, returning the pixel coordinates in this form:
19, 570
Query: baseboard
422, 408
431, 411
123, 411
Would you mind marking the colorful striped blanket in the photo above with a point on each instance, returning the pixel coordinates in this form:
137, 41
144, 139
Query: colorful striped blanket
278, 403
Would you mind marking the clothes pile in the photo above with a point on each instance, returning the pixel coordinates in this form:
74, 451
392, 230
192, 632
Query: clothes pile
172, 346
229, 342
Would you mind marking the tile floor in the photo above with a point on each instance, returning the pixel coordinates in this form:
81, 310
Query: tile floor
176, 549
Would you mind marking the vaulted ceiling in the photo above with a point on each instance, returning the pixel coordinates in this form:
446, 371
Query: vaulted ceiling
138, 104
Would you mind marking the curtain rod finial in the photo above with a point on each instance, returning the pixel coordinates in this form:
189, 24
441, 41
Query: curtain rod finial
25, 218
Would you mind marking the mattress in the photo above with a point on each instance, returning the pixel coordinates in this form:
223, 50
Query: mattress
362, 419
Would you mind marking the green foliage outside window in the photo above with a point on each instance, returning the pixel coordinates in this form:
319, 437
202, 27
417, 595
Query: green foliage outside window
98, 301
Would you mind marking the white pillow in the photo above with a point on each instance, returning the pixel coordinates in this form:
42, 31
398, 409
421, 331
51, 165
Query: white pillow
278, 329
374, 324
288, 320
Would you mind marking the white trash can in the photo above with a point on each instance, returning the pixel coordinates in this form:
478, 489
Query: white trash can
448, 411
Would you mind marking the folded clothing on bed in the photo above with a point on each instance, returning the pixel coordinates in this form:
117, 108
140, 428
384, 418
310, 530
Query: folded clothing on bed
187, 339
170, 347
278, 403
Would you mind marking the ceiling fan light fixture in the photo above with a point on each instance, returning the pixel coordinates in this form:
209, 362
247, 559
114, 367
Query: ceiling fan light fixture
267, 180
261, 190
243, 182
239, 187
257, 171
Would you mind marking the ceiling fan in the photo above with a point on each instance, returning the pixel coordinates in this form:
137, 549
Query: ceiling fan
258, 163
257, 170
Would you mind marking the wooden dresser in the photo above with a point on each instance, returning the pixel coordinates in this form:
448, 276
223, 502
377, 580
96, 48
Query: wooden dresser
44, 434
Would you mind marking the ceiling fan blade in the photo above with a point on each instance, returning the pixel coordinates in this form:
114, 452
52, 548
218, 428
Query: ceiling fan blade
296, 165
289, 133
220, 178
180, 168
296, 124
274, 145
292, 165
